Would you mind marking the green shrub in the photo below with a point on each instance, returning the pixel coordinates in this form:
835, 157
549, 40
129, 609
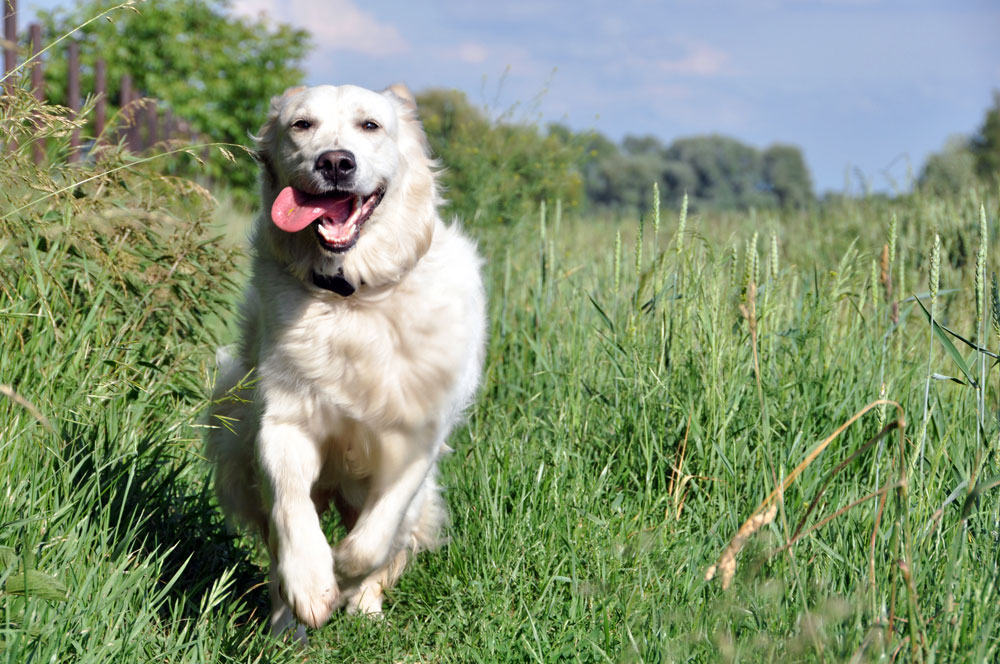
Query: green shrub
496, 171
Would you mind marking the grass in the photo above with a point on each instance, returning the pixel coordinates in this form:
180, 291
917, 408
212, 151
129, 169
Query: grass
642, 400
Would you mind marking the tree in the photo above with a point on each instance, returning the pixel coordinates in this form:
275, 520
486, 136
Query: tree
214, 70
950, 171
495, 171
728, 173
985, 145
714, 171
786, 175
638, 145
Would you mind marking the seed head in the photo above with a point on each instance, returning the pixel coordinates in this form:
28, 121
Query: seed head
726, 566
681, 223
656, 209
734, 258
935, 269
618, 259
774, 257
981, 267
995, 301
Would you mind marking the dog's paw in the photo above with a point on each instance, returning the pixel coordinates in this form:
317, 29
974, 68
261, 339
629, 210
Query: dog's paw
355, 560
366, 599
307, 584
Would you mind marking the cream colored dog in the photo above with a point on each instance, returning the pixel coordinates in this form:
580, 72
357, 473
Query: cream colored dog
362, 342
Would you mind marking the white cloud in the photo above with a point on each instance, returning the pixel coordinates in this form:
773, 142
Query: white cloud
699, 60
337, 25
472, 52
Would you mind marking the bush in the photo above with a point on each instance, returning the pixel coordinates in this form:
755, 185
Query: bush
496, 171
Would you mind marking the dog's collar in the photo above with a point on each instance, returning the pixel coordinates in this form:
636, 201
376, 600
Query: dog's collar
335, 284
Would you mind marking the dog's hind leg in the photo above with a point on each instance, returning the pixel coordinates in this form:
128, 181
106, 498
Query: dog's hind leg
230, 441
367, 597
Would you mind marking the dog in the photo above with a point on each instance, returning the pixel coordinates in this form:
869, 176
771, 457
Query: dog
363, 329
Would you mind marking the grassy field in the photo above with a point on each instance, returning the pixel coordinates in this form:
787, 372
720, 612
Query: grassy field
651, 386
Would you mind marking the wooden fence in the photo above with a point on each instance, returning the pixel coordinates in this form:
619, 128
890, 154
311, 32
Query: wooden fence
142, 122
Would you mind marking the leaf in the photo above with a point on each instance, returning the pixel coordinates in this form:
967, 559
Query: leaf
973, 497
36, 584
958, 336
937, 376
604, 316
949, 347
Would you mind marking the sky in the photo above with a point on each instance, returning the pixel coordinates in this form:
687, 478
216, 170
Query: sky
867, 88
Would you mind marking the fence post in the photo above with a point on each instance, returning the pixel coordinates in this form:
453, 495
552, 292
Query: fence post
126, 97
101, 90
10, 35
73, 95
152, 120
37, 82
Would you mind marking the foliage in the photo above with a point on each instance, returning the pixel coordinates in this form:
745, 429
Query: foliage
985, 145
498, 170
950, 171
716, 172
787, 176
964, 160
215, 71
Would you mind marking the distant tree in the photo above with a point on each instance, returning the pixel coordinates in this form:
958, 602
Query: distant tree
678, 178
950, 171
786, 175
637, 145
634, 176
601, 160
985, 145
212, 69
714, 171
729, 173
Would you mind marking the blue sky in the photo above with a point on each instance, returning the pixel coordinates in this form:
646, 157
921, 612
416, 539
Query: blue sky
867, 87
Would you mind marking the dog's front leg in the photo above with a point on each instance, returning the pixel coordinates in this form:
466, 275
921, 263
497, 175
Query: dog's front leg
300, 554
405, 461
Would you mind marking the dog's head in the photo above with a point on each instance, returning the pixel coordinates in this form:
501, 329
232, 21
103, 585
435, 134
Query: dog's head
347, 183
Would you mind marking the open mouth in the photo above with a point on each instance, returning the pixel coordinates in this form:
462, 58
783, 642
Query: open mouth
336, 216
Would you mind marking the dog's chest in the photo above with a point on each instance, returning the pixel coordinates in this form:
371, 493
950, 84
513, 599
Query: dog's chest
387, 362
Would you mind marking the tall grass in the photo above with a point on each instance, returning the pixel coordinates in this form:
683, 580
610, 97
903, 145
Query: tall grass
651, 406
110, 288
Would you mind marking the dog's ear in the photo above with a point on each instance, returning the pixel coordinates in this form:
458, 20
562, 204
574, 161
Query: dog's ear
274, 110
266, 136
403, 94
289, 92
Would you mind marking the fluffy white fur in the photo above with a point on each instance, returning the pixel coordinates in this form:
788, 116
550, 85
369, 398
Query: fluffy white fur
350, 399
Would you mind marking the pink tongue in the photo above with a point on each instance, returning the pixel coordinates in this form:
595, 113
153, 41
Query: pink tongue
293, 210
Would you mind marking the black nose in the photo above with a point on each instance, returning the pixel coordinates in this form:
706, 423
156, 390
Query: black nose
336, 165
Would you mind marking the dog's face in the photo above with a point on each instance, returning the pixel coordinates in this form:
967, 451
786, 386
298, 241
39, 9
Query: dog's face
347, 181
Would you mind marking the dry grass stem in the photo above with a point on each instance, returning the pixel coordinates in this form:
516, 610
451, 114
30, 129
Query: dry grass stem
726, 566
9, 392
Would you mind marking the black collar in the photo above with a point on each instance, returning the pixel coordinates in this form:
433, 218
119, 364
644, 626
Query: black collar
336, 284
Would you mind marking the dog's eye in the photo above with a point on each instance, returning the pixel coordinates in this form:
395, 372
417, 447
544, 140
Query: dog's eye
302, 124
370, 125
